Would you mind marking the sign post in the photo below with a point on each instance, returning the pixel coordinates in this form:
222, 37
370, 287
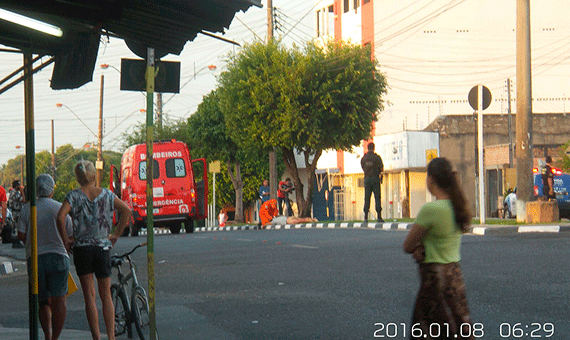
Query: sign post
480, 99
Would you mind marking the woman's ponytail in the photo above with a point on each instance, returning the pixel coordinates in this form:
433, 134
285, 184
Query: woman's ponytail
441, 171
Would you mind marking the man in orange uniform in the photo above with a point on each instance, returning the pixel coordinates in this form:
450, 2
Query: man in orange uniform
267, 211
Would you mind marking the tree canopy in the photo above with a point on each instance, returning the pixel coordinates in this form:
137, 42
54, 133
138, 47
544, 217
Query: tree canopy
244, 168
311, 100
65, 159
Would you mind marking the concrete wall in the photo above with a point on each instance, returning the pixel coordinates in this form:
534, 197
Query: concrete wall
457, 140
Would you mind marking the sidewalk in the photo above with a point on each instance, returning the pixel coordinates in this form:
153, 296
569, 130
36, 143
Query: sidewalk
66, 334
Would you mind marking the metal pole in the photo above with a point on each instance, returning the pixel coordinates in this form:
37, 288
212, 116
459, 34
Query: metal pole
214, 193
480, 144
31, 184
510, 123
100, 137
52, 148
149, 190
524, 111
272, 155
269, 20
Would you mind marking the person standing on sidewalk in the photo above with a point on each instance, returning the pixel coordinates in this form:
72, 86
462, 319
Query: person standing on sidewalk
3, 205
372, 166
91, 209
264, 191
53, 261
434, 241
548, 179
285, 188
15, 203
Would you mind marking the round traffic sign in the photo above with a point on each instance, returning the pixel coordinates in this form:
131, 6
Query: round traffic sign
474, 97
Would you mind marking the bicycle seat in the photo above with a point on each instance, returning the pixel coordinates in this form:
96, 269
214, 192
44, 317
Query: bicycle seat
117, 261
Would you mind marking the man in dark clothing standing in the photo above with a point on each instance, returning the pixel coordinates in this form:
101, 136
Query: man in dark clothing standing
548, 179
372, 166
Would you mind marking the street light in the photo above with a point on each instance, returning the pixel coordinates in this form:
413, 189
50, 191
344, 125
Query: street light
60, 105
211, 67
127, 117
106, 66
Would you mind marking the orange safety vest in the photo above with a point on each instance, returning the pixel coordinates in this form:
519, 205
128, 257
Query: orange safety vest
267, 211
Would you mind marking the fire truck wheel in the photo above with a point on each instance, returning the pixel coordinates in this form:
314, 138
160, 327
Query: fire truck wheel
189, 225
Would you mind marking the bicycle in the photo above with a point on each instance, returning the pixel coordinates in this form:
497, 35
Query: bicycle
134, 311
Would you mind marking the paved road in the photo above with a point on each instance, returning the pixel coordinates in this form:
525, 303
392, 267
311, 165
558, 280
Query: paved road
330, 284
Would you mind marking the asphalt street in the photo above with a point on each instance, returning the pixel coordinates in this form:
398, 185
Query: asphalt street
330, 284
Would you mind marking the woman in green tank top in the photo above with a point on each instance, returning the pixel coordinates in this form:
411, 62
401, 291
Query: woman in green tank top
434, 241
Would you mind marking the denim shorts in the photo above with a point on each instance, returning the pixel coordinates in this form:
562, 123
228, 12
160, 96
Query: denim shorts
52, 275
92, 259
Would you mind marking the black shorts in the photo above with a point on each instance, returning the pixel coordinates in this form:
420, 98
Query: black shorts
92, 259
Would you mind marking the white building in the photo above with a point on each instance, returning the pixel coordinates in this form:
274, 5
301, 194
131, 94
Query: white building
432, 53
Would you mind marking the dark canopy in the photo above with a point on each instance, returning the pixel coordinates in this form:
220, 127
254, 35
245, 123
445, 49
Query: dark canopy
165, 25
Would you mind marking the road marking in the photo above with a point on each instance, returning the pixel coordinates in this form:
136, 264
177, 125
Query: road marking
302, 246
244, 240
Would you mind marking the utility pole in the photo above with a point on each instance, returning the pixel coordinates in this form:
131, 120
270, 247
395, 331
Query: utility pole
52, 149
99, 163
524, 111
272, 155
510, 123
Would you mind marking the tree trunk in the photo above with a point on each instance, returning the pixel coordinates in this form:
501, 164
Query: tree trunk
237, 182
303, 204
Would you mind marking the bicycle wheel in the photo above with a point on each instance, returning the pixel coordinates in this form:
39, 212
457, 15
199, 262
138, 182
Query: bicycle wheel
121, 304
141, 317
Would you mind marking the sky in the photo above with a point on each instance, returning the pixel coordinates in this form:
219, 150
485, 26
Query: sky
76, 121
431, 51
434, 51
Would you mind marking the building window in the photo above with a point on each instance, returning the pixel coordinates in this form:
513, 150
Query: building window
346, 6
366, 1
356, 4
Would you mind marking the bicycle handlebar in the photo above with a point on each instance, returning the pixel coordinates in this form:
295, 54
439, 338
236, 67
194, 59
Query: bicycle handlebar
130, 252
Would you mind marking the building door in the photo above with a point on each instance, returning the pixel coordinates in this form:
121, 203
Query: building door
494, 189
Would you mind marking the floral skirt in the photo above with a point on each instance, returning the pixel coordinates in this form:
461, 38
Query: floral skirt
441, 310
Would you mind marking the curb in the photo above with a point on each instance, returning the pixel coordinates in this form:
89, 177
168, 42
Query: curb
522, 229
478, 230
332, 225
11, 266
6, 267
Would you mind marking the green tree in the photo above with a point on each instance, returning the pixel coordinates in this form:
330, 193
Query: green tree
138, 134
309, 101
208, 134
65, 159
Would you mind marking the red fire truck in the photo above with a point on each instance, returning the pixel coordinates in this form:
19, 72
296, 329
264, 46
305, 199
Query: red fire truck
178, 195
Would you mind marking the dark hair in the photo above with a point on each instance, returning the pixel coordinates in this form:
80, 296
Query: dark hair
15, 184
442, 173
370, 146
548, 159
